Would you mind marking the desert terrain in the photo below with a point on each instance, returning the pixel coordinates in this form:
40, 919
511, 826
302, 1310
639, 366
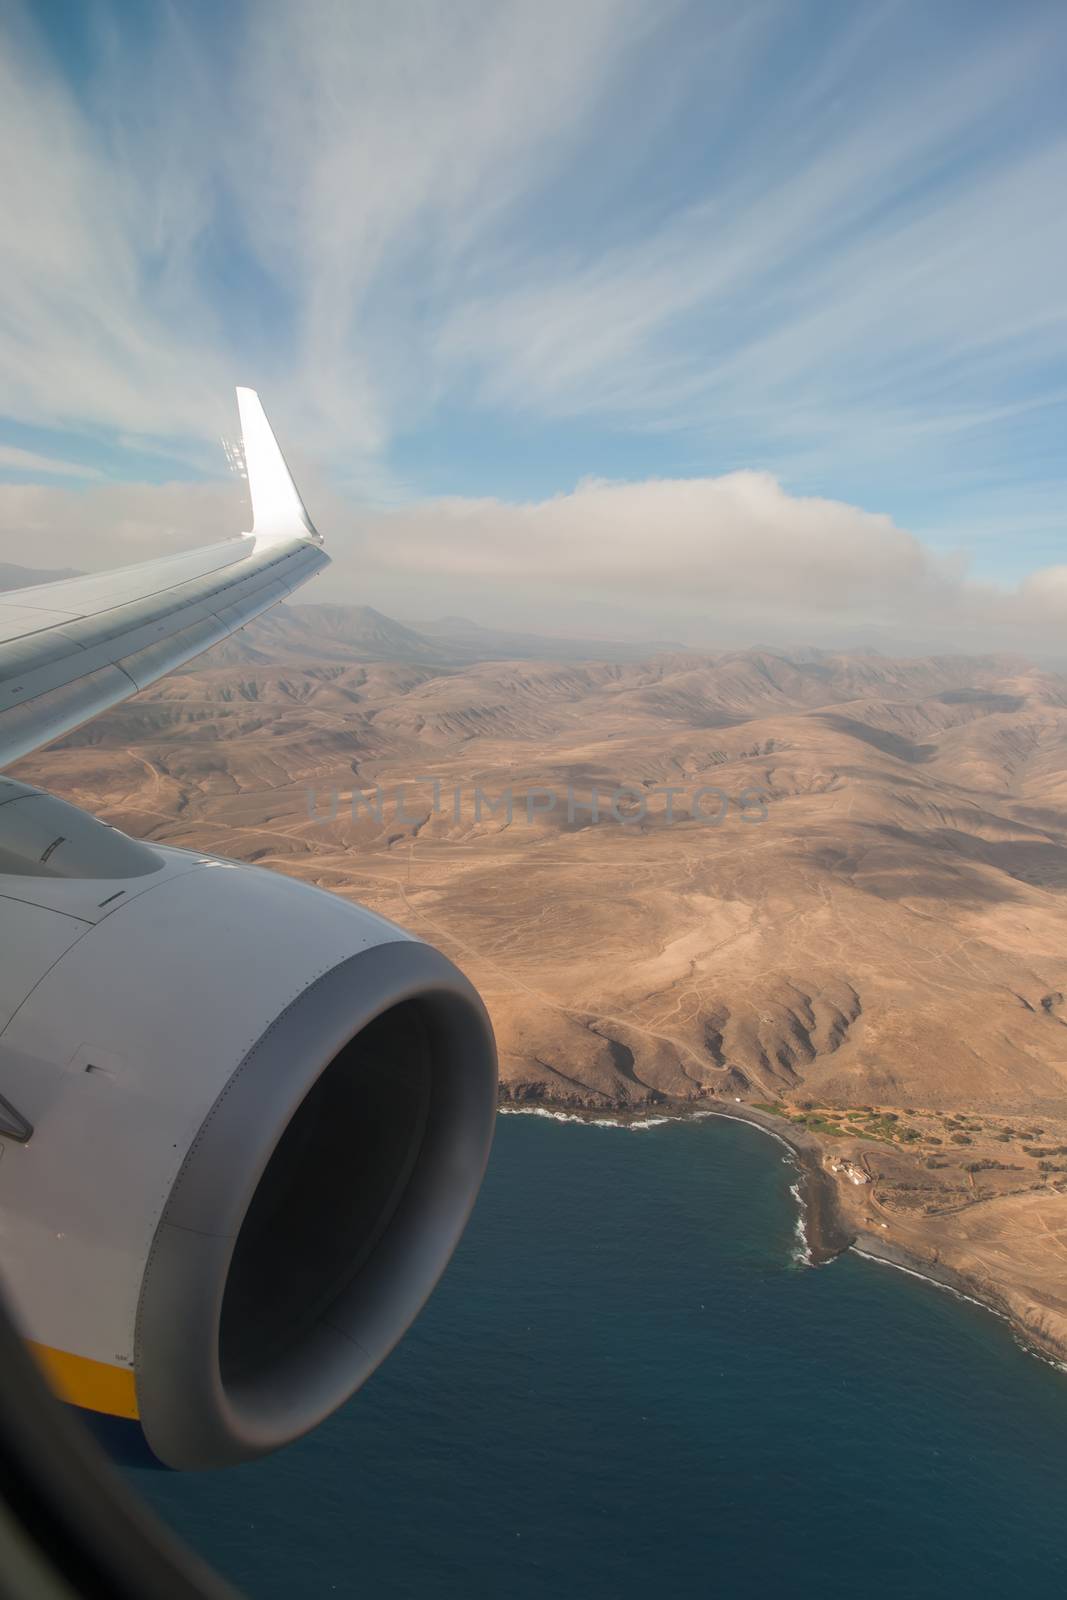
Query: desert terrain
856, 933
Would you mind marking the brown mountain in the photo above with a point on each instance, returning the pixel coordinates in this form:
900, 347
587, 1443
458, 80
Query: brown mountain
871, 938
14, 577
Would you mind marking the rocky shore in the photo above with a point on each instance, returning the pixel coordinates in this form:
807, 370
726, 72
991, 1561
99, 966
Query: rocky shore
826, 1231
827, 1198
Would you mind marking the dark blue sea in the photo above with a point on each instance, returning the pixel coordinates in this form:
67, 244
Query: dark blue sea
627, 1386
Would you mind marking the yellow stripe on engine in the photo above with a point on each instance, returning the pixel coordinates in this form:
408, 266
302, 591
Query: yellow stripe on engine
93, 1385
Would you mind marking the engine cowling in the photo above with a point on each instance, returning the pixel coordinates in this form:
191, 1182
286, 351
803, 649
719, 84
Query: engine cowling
247, 1121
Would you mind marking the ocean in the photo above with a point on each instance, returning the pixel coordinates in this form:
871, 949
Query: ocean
629, 1385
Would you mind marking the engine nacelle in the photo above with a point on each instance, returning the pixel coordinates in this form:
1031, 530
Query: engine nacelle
246, 1123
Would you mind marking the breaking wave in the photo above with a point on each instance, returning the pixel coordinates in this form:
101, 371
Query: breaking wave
637, 1125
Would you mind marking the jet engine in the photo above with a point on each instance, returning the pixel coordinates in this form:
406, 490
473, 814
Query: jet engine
244, 1123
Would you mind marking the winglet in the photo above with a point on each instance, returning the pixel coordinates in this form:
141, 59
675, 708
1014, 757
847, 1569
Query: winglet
277, 510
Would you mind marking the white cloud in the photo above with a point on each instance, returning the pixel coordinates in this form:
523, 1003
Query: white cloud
709, 559
111, 525
736, 536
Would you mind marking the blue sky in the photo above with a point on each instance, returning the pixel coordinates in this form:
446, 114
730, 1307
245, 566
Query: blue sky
490, 252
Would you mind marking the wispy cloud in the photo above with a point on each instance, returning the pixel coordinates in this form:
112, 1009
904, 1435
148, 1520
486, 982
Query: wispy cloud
823, 242
880, 248
285, 198
14, 459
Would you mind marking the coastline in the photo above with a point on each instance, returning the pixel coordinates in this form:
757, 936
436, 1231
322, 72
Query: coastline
824, 1228
825, 1232
980, 1293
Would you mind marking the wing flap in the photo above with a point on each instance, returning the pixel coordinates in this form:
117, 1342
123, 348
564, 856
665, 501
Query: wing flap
155, 660
18, 621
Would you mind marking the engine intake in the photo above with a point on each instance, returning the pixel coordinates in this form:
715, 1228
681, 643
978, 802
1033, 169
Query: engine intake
319, 1205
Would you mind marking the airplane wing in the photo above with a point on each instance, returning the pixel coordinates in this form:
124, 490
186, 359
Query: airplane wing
71, 649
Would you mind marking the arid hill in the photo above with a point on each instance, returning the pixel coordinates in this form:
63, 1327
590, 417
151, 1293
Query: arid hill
861, 923
14, 577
